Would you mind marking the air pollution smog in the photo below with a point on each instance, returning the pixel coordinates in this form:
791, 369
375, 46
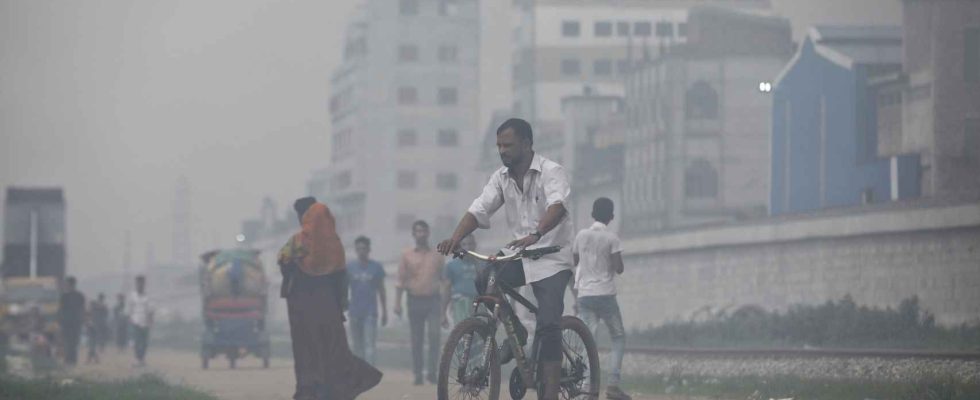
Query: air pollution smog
462, 199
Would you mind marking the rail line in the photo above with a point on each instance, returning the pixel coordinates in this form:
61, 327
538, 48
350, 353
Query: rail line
803, 353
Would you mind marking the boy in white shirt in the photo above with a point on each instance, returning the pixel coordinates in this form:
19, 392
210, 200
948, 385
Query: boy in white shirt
598, 259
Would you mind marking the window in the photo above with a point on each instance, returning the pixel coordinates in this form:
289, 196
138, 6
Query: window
446, 224
408, 7
971, 55
700, 180
446, 181
665, 29
407, 138
407, 95
570, 29
448, 7
602, 67
682, 29
341, 144
341, 181
447, 96
448, 53
642, 29
623, 66
603, 29
404, 221
570, 66
971, 139
408, 53
622, 28
407, 180
448, 138
701, 102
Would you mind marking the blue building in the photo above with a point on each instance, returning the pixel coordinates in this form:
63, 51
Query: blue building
824, 143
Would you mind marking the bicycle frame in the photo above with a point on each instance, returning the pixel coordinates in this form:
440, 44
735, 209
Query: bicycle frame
496, 299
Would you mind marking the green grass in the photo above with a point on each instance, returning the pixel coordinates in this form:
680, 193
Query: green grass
755, 388
840, 323
145, 387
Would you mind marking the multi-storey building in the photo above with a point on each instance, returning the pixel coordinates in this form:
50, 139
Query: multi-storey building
932, 106
823, 123
404, 110
697, 135
561, 45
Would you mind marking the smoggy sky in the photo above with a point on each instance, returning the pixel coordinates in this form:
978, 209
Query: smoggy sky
114, 100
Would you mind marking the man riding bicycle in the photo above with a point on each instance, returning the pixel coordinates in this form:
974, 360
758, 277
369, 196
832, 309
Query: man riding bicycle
533, 191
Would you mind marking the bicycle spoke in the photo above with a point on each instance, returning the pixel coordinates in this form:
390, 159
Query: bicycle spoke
468, 381
575, 372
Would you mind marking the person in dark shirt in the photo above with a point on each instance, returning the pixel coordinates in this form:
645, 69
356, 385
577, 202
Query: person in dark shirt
92, 334
100, 320
367, 285
71, 315
121, 318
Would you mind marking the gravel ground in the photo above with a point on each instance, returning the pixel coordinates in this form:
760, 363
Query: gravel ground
834, 368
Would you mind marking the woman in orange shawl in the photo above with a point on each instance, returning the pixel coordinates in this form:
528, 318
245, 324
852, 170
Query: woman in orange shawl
314, 285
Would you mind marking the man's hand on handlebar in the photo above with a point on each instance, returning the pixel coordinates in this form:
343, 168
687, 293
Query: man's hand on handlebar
521, 244
448, 246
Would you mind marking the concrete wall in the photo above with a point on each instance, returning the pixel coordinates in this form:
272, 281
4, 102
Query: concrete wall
878, 257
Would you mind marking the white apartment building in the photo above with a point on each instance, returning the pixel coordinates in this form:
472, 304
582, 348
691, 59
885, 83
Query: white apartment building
404, 109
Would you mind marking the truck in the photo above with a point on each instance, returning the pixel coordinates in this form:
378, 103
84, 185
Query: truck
32, 270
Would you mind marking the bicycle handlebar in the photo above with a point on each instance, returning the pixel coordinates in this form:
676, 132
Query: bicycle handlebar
533, 254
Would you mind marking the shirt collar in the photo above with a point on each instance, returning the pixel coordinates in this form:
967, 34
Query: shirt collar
537, 164
599, 226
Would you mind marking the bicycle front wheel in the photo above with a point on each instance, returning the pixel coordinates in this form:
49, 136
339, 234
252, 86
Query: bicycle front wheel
580, 375
467, 369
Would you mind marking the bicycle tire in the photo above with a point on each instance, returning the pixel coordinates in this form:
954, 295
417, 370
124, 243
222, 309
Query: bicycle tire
477, 326
573, 324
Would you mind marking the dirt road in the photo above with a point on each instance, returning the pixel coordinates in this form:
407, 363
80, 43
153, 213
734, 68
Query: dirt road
248, 382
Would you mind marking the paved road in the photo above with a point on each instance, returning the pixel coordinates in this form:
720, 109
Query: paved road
249, 381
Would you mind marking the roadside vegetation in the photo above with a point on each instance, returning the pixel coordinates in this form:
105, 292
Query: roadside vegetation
834, 324
784, 387
146, 387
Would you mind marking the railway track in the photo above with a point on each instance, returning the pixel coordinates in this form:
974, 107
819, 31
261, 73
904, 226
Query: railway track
804, 353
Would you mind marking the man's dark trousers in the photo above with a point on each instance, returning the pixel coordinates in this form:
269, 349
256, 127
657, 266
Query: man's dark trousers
550, 295
423, 313
141, 337
72, 335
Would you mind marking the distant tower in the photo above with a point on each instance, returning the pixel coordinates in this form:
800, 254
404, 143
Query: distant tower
127, 264
181, 243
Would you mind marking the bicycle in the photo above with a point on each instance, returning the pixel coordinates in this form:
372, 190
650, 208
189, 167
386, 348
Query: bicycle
470, 362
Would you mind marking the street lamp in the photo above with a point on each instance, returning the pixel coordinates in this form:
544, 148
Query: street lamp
765, 87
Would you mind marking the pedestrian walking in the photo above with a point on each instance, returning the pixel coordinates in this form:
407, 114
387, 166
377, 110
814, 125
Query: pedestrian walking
367, 293
92, 334
100, 321
420, 274
315, 287
459, 285
120, 318
598, 259
140, 320
532, 190
71, 316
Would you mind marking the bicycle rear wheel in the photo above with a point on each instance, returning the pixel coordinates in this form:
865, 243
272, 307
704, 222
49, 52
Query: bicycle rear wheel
580, 374
471, 379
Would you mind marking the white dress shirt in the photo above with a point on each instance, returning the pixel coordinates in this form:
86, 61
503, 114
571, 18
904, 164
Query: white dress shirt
595, 247
545, 184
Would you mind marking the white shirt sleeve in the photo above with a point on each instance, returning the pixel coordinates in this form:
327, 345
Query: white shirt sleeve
556, 187
489, 202
617, 245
